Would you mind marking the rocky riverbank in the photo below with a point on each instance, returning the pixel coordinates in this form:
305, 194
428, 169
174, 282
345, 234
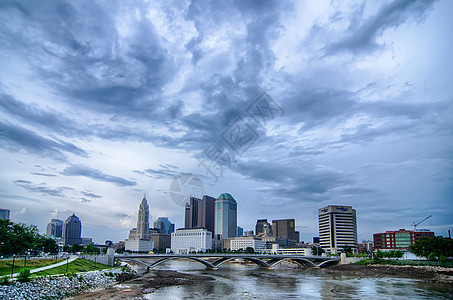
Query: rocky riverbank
57, 287
437, 274
147, 283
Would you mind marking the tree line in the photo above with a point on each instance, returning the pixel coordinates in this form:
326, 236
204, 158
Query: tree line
19, 239
433, 248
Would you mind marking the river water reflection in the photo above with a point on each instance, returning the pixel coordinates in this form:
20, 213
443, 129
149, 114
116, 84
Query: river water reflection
236, 281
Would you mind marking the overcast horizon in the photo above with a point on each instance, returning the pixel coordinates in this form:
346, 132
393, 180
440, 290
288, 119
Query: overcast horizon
289, 106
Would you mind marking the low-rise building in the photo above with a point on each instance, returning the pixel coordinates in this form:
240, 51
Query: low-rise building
138, 245
161, 240
244, 242
188, 240
398, 240
365, 246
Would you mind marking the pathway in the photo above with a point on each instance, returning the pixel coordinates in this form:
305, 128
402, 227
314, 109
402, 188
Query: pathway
62, 263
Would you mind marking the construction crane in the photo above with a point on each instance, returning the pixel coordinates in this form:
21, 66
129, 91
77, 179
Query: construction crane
415, 224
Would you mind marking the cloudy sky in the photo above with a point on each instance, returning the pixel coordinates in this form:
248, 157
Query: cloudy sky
288, 106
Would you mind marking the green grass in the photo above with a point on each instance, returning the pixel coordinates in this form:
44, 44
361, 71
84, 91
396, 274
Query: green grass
6, 265
76, 266
405, 263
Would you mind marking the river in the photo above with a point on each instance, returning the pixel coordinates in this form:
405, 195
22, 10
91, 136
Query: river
238, 281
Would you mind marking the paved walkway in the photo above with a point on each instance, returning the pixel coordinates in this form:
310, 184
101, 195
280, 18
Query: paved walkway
62, 263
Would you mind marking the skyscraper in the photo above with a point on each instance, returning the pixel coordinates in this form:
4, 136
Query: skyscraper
72, 230
191, 216
225, 216
4, 214
143, 220
206, 215
187, 223
199, 213
337, 227
140, 238
55, 228
240, 231
164, 225
284, 229
263, 228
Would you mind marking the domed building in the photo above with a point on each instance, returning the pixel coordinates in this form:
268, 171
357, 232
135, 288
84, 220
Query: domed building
226, 216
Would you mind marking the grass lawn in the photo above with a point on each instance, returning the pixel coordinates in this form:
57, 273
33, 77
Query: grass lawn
406, 263
77, 266
6, 265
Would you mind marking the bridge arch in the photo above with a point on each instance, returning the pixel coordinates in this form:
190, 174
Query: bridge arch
328, 263
301, 261
206, 263
137, 261
259, 262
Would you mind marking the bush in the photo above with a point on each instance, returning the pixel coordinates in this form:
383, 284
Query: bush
5, 280
24, 275
432, 256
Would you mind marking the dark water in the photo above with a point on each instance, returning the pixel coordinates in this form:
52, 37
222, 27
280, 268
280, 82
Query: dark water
235, 281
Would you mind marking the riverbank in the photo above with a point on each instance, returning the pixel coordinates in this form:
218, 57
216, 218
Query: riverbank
145, 284
57, 287
429, 273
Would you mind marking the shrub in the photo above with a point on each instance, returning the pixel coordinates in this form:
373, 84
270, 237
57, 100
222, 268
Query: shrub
5, 280
125, 269
24, 275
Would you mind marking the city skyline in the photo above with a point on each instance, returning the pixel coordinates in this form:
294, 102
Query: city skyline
343, 103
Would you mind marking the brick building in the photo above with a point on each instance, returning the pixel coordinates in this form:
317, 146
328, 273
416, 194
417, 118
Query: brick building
398, 240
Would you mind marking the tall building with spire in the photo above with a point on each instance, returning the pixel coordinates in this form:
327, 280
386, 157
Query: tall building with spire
140, 237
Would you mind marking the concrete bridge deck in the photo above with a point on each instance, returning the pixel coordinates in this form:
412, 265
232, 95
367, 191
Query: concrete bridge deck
262, 260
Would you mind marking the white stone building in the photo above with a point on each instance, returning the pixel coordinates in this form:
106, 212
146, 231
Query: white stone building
247, 241
188, 240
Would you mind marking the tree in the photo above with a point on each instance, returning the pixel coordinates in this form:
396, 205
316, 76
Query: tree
316, 250
17, 238
46, 244
432, 247
91, 249
76, 248
249, 250
379, 254
347, 249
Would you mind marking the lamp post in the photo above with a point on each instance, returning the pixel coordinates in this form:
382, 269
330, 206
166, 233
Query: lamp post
12, 269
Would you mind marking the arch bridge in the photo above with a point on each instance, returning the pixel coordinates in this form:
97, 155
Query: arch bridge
218, 259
